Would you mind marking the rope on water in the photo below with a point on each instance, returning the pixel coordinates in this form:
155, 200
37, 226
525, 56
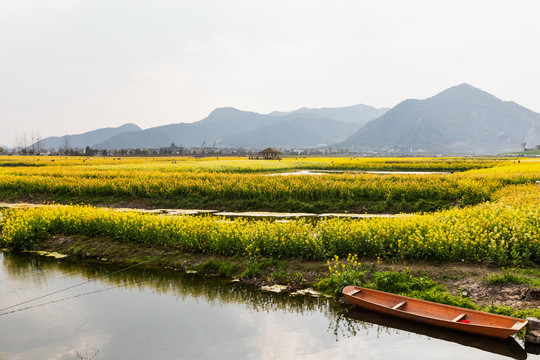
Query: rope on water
70, 287
56, 301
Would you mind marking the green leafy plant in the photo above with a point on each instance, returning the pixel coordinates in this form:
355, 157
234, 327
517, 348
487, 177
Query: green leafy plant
252, 270
341, 275
212, 266
401, 282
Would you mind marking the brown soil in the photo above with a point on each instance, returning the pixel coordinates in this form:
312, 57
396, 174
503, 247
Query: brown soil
472, 278
456, 277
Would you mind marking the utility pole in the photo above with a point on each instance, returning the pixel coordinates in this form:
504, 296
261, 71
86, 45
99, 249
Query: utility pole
38, 144
33, 140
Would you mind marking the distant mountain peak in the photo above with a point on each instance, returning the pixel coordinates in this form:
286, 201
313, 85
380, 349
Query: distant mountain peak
465, 91
224, 113
88, 138
463, 86
358, 114
133, 126
224, 110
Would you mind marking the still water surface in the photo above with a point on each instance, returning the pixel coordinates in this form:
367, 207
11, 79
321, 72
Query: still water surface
156, 314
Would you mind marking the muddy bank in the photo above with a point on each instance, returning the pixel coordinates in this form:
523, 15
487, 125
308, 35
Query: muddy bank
470, 280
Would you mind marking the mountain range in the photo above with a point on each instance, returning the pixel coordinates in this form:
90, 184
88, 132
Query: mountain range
232, 128
461, 119
81, 141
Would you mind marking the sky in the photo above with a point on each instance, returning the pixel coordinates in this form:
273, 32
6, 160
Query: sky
71, 66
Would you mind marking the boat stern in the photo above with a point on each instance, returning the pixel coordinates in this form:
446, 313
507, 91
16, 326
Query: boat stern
350, 290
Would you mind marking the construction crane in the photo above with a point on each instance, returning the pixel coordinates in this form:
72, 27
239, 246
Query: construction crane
200, 149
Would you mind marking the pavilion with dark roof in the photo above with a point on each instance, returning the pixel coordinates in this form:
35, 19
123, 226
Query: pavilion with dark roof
269, 153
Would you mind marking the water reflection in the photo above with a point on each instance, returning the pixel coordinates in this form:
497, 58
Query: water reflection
508, 347
26, 268
152, 314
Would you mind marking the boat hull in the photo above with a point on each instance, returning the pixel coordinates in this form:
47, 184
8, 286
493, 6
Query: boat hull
427, 312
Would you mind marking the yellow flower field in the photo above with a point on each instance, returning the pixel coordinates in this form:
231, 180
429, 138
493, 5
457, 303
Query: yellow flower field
497, 219
503, 232
242, 184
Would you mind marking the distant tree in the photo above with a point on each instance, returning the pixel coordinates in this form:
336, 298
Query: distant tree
25, 141
33, 143
74, 152
21, 142
35, 139
524, 144
65, 145
104, 152
1, 151
142, 151
90, 152
17, 143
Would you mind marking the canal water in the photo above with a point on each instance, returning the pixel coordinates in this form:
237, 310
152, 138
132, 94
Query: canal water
64, 309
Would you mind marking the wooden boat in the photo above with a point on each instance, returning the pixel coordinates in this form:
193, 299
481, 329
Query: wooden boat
427, 312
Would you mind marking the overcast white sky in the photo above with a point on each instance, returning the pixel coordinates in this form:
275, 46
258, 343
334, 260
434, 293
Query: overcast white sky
70, 66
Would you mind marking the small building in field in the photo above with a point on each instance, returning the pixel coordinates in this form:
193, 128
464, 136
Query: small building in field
269, 153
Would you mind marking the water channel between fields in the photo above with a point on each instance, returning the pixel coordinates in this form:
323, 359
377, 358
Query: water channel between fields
249, 215
144, 313
352, 172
